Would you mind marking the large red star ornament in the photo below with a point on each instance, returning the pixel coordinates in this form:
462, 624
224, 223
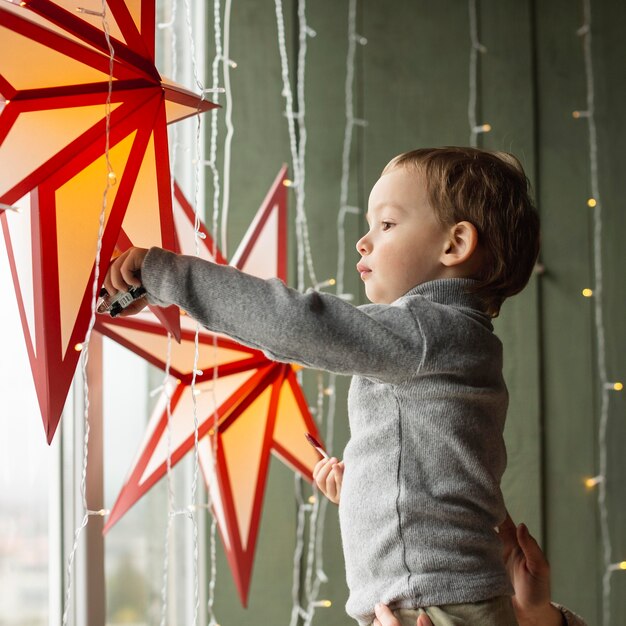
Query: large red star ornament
246, 405
54, 85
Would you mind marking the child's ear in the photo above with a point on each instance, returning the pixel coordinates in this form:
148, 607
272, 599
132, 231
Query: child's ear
461, 244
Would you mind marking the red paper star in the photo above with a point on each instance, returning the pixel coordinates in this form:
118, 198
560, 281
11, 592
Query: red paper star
54, 84
246, 405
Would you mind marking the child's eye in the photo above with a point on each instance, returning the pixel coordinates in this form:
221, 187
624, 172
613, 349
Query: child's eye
386, 225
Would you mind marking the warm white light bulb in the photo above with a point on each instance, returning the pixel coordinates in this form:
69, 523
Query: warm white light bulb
590, 483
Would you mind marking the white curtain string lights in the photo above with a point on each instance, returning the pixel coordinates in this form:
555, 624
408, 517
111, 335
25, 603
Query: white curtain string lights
476, 47
84, 346
198, 161
170, 27
305, 597
606, 386
297, 143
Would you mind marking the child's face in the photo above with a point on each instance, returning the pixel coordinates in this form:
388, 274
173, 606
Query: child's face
405, 241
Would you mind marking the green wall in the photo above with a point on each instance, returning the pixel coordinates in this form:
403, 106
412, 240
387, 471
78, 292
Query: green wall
411, 85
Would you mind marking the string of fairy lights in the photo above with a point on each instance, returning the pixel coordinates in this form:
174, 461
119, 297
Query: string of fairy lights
476, 48
188, 512
84, 347
221, 57
307, 508
312, 509
607, 386
298, 148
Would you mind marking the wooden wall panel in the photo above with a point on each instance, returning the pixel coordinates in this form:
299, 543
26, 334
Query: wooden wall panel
412, 88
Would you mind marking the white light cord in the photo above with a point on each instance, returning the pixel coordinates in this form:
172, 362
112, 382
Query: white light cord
605, 386
188, 511
215, 221
167, 390
344, 208
227, 63
110, 181
196, 352
304, 258
297, 611
475, 48
297, 152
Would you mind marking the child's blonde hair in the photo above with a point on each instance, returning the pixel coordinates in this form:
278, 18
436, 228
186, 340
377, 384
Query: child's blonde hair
491, 191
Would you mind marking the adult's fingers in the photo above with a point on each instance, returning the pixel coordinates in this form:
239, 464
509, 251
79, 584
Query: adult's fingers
384, 615
424, 620
508, 535
536, 561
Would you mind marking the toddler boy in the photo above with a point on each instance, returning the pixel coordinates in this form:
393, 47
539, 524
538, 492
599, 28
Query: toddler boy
452, 233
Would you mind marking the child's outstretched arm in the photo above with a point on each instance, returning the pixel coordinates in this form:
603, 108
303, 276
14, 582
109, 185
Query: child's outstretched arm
328, 476
314, 329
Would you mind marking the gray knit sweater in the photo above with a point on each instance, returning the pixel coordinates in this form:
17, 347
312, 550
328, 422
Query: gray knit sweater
421, 495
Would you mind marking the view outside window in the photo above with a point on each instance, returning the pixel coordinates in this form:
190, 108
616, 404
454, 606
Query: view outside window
135, 546
31, 567
26, 465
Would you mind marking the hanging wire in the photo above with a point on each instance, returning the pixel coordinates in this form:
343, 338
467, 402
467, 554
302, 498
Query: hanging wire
227, 64
297, 152
215, 221
190, 510
598, 294
475, 47
110, 181
167, 383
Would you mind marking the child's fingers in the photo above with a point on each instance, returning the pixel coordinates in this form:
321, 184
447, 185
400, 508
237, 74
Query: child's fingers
337, 474
132, 265
318, 468
114, 281
332, 488
123, 271
108, 282
321, 477
321, 466
134, 307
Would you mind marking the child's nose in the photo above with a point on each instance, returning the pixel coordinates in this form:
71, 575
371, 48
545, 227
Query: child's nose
363, 245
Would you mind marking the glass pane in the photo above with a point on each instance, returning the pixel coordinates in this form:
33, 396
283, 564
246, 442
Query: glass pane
134, 547
26, 464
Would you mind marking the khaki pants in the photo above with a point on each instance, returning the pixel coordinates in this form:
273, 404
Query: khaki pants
494, 612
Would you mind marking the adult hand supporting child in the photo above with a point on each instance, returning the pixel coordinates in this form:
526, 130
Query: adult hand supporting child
529, 571
124, 272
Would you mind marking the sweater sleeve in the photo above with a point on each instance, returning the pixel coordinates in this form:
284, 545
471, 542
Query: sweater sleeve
569, 618
314, 329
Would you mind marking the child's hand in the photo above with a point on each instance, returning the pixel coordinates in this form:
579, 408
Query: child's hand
124, 273
328, 475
